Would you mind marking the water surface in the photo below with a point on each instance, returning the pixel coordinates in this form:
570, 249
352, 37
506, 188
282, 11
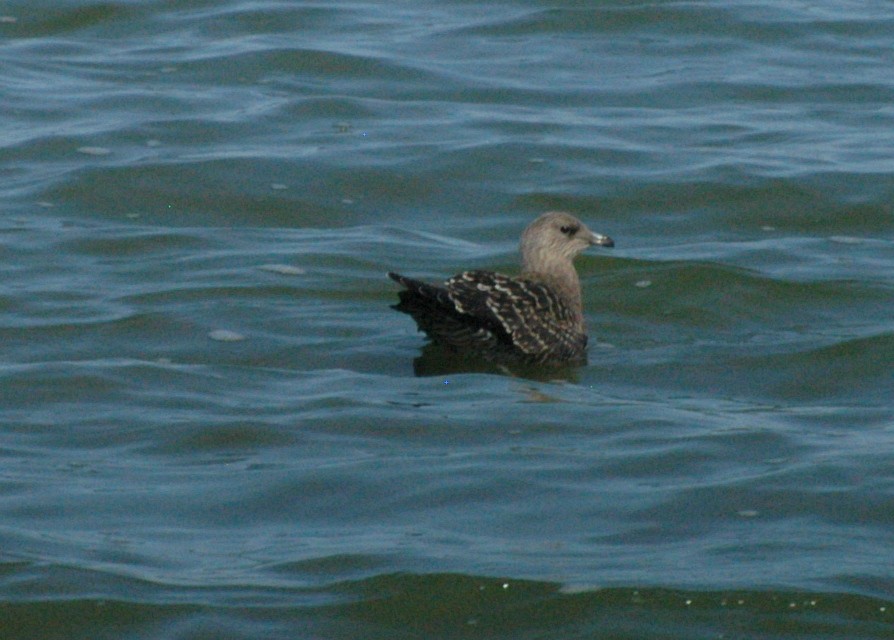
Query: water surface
210, 424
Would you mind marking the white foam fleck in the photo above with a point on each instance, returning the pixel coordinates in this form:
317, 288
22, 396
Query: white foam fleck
283, 269
642, 284
225, 335
846, 239
95, 151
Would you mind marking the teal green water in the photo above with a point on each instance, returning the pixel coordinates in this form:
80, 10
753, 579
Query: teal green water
210, 420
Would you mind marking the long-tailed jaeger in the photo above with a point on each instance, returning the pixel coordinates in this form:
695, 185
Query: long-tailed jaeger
535, 317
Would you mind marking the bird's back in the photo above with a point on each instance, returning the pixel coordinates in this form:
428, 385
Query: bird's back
495, 316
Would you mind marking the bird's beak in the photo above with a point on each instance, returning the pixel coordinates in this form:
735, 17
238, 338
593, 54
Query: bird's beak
601, 240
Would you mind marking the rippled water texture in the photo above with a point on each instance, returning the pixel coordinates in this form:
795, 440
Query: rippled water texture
210, 420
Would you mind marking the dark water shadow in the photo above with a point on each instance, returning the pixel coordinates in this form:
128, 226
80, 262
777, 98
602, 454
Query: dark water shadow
437, 360
470, 606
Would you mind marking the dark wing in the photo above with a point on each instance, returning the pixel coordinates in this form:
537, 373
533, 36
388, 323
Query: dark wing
540, 324
437, 314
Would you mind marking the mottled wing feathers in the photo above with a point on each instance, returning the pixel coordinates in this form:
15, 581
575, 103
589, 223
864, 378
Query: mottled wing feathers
538, 321
436, 313
496, 314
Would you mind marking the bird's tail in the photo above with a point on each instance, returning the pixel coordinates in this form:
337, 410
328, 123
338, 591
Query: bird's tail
436, 314
421, 289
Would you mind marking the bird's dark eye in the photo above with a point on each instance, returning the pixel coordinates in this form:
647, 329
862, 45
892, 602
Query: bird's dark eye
568, 230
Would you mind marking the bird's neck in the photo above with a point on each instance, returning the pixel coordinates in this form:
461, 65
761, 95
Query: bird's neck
559, 274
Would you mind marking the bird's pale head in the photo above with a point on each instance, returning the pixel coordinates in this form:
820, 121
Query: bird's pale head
557, 237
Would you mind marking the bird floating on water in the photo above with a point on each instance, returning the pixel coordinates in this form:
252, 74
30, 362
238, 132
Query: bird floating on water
536, 317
